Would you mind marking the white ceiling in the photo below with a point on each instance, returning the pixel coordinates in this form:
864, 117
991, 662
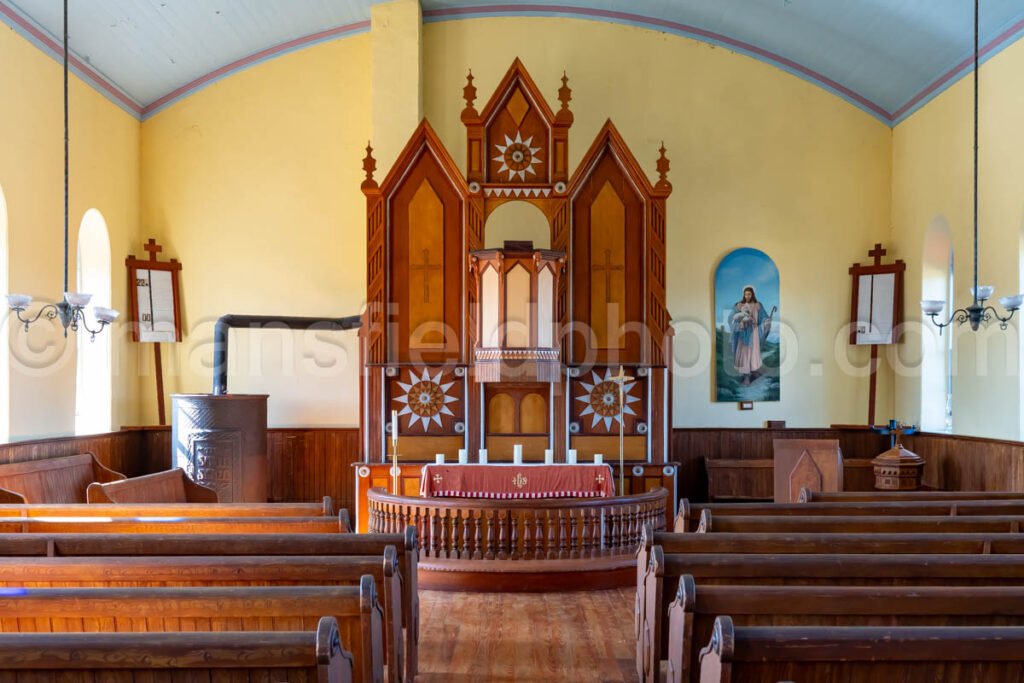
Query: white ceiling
878, 54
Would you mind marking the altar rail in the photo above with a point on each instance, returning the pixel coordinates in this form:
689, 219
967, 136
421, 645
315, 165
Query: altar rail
562, 529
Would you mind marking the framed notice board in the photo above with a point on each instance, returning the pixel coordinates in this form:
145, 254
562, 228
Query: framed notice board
877, 300
155, 305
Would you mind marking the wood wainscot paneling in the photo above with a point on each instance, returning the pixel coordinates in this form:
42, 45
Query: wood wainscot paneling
120, 451
308, 464
966, 463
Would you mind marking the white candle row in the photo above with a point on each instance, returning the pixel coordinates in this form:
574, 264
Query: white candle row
517, 456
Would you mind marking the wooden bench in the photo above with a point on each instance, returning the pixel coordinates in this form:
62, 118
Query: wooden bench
808, 496
169, 486
362, 573
692, 614
751, 654
317, 545
688, 515
322, 509
171, 525
53, 480
863, 524
214, 657
661, 581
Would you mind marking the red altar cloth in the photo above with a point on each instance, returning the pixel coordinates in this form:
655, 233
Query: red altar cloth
517, 481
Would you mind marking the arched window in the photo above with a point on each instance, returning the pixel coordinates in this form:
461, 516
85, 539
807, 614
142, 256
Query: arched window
93, 377
5, 378
937, 349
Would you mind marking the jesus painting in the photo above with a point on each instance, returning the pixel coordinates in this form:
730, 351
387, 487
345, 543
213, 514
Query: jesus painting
746, 336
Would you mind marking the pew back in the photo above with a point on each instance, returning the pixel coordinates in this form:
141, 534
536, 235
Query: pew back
321, 509
693, 612
738, 654
169, 486
294, 656
914, 524
808, 496
53, 480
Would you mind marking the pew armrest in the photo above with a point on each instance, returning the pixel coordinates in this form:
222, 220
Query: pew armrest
7, 497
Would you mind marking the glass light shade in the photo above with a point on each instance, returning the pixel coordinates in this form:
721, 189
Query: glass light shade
80, 299
932, 306
17, 301
105, 315
984, 292
1012, 303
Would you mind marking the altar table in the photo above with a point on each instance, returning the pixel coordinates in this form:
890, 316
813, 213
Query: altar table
517, 481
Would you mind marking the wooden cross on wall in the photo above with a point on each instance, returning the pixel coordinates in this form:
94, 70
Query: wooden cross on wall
608, 268
426, 267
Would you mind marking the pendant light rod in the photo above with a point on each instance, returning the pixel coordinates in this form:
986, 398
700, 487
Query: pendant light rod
976, 4
66, 147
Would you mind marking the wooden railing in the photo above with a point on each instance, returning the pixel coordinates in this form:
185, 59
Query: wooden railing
484, 529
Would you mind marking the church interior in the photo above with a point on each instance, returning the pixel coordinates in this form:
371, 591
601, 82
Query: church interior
475, 341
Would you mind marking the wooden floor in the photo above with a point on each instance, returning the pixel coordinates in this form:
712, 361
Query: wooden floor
583, 637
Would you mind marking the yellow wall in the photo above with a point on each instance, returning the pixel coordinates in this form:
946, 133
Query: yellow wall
759, 158
253, 183
105, 176
932, 183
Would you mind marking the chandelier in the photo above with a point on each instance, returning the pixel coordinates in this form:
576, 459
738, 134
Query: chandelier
979, 311
71, 309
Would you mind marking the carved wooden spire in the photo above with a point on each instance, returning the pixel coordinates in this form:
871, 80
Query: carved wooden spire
469, 94
663, 168
369, 166
564, 115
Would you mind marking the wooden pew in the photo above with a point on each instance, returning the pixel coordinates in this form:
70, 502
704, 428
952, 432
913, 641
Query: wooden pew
737, 654
294, 608
220, 571
235, 545
661, 582
169, 486
915, 524
324, 508
692, 614
688, 516
53, 480
171, 525
214, 657
808, 496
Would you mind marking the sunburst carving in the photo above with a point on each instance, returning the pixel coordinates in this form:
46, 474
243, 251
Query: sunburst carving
518, 156
426, 399
602, 399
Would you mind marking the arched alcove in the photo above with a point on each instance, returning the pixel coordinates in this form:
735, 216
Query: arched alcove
93, 395
517, 221
937, 349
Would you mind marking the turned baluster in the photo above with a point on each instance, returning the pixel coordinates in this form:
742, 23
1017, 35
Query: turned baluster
585, 515
513, 522
502, 536
563, 538
443, 518
538, 535
613, 529
552, 548
527, 536
489, 554
477, 535
466, 551
574, 551
596, 521
433, 533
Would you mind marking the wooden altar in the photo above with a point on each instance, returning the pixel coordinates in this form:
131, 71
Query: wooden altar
483, 343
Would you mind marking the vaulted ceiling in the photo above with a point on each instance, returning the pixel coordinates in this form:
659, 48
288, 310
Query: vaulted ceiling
885, 56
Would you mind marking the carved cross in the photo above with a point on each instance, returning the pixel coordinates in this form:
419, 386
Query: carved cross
153, 248
426, 267
877, 253
608, 267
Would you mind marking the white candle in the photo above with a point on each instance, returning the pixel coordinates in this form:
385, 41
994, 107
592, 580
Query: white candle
394, 426
483, 456
549, 457
439, 459
598, 459
463, 456
571, 456
517, 454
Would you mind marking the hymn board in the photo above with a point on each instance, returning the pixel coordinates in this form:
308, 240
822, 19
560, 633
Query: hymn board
481, 344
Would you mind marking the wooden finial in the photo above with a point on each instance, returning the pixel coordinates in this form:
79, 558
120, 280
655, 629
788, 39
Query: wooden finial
153, 248
369, 165
663, 168
565, 92
877, 253
469, 94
